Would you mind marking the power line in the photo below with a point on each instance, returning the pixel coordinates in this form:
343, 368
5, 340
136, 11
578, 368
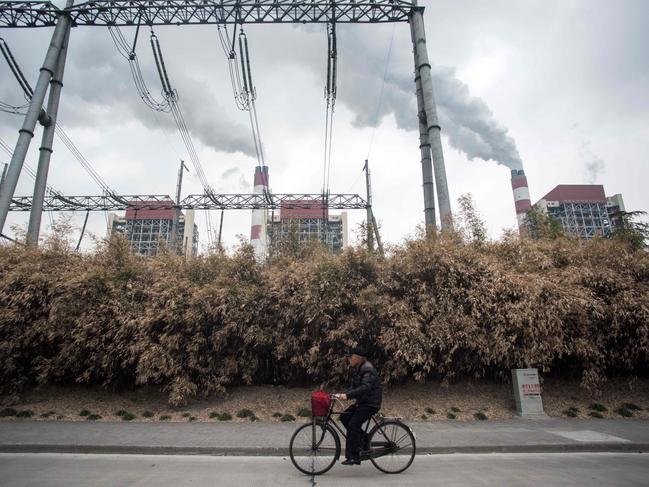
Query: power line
32, 174
28, 93
15, 69
330, 97
28, 169
6, 237
172, 99
94, 175
14, 110
385, 75
128, 53
244, 92
243, 88
20, 78
360, 173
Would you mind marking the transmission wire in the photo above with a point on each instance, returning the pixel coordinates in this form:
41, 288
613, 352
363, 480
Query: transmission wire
28, 169
378, 107
28, 93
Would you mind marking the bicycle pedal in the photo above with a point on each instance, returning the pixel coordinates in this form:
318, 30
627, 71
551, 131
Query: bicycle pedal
351, 462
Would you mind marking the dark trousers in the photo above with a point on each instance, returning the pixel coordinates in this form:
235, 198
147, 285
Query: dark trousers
353, 418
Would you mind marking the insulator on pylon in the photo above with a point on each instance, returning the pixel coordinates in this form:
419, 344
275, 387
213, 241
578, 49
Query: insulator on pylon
245, 43
243, 63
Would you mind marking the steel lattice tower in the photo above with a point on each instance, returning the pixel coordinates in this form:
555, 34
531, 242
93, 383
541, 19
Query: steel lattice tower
34, 14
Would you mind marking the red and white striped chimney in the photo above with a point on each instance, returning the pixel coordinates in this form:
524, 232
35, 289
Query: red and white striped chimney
521, 197
258, 228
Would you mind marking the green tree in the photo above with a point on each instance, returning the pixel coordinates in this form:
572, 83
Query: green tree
542, 226
285, 241
470, 223
631, 230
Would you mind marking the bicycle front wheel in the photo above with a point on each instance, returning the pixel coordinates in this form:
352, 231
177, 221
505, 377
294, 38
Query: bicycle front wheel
392, 446
314, 448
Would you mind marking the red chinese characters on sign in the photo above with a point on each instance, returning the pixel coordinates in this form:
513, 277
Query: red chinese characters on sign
531, 389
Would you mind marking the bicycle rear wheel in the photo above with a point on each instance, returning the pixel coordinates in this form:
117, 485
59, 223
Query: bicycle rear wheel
314, 448
392, 446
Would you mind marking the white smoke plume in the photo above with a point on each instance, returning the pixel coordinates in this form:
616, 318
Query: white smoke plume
593, 168
469, 123
466, 120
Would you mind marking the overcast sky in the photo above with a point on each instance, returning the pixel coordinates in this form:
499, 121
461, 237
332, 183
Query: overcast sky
560, 86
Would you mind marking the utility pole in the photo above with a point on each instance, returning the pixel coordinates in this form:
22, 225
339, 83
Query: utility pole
29, 123
220, 229
426, 104
378, 236
174, 223
369, 231
83, 229
47, 142
426, 160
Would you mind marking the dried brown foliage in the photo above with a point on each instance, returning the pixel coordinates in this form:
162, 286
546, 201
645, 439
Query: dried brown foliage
431, 309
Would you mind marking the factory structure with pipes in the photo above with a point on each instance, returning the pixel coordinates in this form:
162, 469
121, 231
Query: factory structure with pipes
304, 225
145, 228
297, 221
583, 210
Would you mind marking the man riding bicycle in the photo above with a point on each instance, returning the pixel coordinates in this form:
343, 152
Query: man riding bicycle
366, 389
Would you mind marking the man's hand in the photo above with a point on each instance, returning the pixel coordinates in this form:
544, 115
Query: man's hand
342, 397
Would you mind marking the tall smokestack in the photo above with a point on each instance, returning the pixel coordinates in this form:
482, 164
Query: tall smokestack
521, 197
258, 228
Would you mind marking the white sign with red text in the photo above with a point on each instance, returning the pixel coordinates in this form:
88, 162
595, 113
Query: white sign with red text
527, 392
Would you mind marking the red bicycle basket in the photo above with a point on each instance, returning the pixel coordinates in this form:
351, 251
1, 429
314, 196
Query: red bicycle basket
320, 402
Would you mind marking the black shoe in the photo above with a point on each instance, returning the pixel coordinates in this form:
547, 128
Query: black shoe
351, 461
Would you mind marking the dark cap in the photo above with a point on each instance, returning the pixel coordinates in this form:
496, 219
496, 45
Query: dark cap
358, 351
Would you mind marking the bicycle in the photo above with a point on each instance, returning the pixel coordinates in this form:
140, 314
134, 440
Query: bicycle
315, 447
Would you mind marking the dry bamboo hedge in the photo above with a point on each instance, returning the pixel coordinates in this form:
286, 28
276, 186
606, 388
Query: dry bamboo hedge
431, 309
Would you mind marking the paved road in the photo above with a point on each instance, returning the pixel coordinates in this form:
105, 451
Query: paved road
546, 469
515, 436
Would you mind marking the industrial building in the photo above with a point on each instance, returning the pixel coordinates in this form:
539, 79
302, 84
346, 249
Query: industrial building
583, 210
298, 220
145, 228
312, 224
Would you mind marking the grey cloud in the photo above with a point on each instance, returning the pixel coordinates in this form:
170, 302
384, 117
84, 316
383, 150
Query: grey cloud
101, 79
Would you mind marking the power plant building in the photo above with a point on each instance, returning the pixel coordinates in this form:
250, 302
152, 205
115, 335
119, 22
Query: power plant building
296, 220
307, 221
146, 228
583, 210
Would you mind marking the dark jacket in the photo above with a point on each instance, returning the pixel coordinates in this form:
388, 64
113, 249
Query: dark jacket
366, 385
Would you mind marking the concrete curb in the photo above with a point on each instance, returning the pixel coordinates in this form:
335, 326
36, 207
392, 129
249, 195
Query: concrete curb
281, 452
